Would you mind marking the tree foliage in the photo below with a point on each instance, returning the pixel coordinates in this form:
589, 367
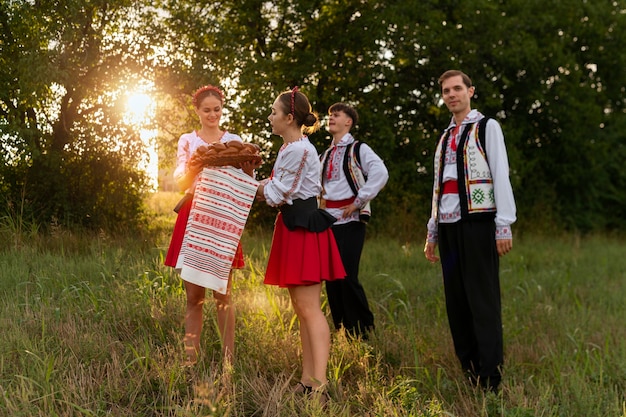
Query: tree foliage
551, 76
68, 154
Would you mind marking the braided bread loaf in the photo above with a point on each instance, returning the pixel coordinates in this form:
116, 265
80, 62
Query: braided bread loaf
231, 153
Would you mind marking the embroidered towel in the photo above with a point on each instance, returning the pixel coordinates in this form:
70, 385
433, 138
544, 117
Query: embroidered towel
219, 211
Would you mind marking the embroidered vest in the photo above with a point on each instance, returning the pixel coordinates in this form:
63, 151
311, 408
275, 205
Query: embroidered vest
475, 183
354, 174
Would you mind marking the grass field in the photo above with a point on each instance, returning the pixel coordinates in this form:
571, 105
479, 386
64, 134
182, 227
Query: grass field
92, 326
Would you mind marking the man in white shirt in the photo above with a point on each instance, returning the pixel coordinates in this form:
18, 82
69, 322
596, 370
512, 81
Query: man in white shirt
352, 175
472, 212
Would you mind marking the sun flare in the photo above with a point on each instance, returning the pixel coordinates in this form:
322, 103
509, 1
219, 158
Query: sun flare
140, 108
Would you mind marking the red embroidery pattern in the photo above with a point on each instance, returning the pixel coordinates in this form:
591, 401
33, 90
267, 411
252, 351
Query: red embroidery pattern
296, 180
218, 224
218, 216
331, 163
208, 251
225, 196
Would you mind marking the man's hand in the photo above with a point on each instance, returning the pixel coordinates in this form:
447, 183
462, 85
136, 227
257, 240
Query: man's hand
348, 210
504, 246
429, 252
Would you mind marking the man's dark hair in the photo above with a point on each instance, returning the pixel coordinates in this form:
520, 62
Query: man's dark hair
453, 73
347, 109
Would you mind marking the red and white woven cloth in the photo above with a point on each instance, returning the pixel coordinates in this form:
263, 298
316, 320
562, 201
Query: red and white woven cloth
221, 204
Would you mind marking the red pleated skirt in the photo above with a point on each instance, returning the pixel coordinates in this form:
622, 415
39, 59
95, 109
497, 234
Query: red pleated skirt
300, 257
176, 243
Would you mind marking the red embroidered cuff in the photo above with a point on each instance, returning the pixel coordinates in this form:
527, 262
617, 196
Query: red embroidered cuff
504, 232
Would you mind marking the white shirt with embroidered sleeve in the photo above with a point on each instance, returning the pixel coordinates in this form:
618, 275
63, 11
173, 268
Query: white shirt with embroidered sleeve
377, 175
337, 188
296, 174
449, 210
188, 143
503, 192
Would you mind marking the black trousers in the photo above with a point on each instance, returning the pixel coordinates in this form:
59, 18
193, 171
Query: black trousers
346, 297
471, 279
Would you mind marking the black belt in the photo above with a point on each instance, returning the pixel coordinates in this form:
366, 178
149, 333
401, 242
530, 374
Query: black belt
306, 214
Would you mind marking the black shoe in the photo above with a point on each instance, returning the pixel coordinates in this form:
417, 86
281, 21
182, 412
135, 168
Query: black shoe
300, 388
491, 384
471, 377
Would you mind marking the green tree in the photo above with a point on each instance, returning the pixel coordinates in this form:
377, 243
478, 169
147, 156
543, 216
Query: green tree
68, 154
549, 75
545, 74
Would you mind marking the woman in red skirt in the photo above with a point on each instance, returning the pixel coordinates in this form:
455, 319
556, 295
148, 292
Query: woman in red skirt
208, 101
304, 252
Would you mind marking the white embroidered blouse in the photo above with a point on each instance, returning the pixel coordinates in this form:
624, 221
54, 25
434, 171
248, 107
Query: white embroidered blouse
296, 174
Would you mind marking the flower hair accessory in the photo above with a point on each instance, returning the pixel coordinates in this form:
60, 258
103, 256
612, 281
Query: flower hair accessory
204, 89
293, 100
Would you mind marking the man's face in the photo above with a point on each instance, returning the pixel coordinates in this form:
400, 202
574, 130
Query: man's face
338, 121
456, 94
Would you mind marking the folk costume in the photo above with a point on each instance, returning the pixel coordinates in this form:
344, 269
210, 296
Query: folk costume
352, 173
303, 250
187, 145
472, 206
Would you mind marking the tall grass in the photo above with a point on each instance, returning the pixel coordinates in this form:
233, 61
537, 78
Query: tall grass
92, 326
